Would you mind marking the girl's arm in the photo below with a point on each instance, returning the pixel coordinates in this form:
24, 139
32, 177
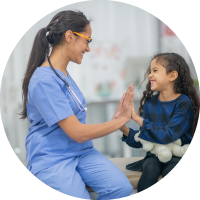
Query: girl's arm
128, 137
125, 130
179, 125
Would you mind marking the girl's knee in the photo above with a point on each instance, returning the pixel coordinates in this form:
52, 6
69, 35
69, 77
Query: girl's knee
151, 168
152, 162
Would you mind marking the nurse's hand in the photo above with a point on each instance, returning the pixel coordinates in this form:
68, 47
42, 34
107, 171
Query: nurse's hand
119, 108
127, 104
123, 129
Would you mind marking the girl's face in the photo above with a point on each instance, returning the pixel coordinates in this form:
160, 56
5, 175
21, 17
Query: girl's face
79, 46
159, 78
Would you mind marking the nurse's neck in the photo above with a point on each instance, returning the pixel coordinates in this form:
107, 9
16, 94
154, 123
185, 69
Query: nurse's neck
59, 62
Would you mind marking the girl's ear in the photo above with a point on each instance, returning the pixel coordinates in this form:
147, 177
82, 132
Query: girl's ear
173, 76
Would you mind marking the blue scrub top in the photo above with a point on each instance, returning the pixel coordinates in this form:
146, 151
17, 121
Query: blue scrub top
48, 102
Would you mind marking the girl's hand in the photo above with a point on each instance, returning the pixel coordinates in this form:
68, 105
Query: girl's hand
119, 108
134, 114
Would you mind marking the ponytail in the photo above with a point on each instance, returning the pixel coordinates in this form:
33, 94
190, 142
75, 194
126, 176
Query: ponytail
38, 55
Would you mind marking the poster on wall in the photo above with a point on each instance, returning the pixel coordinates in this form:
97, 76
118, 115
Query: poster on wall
105, 72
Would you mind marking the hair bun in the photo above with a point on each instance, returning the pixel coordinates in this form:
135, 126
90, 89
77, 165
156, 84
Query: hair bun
50, 37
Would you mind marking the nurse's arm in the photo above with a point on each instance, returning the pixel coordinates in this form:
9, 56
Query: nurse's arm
84, 132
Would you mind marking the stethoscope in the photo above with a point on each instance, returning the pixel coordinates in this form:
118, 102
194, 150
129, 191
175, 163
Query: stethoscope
69, 89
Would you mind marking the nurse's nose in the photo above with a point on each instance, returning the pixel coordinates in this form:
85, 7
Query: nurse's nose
88, 49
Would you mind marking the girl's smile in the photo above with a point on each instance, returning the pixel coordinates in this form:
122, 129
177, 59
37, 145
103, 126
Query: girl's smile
152, 82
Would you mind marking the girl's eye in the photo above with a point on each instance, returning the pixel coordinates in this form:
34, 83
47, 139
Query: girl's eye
153, 71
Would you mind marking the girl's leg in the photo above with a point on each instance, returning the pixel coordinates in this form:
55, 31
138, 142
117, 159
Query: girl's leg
64, 178
151, 171
103, 177
167, 167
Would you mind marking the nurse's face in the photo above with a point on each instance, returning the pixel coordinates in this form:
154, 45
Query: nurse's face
80, 46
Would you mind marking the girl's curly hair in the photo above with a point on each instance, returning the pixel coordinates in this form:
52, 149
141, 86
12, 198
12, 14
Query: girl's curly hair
183, 84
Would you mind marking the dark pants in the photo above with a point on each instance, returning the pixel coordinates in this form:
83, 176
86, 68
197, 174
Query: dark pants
152, 169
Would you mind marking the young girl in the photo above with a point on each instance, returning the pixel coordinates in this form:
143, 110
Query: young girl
168, 115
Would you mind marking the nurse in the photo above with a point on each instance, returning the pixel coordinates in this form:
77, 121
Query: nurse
59, 149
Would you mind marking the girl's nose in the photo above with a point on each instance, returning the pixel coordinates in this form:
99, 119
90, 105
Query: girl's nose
150, 75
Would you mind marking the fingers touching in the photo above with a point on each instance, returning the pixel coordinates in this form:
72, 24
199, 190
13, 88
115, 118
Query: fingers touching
128, 99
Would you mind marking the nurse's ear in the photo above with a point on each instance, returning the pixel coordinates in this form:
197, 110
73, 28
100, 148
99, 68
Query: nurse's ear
69, 36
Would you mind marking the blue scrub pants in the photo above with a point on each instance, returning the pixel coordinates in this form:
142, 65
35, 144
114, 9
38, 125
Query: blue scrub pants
92, 169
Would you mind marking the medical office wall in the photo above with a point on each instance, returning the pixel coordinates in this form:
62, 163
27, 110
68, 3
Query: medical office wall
124, 40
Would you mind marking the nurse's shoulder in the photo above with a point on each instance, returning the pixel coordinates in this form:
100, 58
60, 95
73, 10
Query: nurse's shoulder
45, 64
44, 75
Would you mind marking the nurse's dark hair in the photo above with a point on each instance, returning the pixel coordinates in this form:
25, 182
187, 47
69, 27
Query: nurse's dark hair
184, 83
49, 37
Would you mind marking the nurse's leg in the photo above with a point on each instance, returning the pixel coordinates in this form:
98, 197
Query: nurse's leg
64, 178
103, 176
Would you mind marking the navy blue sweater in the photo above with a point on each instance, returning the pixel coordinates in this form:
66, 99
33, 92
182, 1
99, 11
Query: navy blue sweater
164, 122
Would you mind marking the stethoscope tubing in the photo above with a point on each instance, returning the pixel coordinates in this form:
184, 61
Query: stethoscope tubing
69, 89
